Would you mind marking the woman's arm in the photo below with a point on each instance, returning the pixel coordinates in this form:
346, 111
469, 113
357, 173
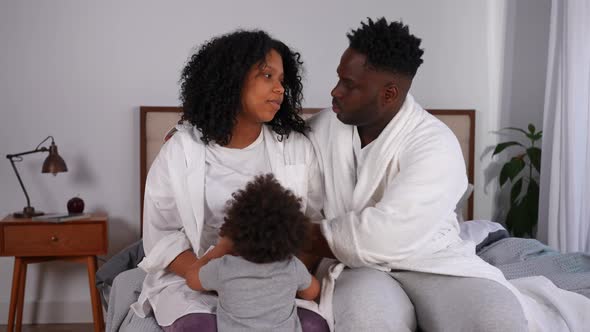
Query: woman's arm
163, 237
182, 263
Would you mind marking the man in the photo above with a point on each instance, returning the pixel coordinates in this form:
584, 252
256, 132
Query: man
393, 175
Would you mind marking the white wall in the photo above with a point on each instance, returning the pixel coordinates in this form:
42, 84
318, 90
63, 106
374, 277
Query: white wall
518, 36
78, 70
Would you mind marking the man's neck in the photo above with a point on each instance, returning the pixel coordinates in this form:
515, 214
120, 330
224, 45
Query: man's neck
369, 133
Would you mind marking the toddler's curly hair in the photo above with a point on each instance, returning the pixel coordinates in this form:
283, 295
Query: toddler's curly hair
265, 221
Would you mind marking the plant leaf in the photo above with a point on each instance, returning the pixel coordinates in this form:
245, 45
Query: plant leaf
537, 136
511, 169
516, 220
515, 191
531, 128
516, 129
533, 202
534, 155
500, 147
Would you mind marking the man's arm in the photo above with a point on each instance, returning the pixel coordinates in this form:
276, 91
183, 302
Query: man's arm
417, 203
316, 243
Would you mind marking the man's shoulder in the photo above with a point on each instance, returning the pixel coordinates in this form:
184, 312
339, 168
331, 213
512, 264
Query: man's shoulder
433, 137
321, 118
433, 128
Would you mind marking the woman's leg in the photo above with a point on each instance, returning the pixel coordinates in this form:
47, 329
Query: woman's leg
194, 322
311, 321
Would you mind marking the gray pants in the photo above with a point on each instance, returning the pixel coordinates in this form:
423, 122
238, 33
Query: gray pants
369, 300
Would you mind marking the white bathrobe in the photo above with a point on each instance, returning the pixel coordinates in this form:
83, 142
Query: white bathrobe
397, 212
174, 212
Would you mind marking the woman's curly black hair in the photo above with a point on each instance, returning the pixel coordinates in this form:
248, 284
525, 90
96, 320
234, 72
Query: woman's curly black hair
388, 46
264, 221
212, 81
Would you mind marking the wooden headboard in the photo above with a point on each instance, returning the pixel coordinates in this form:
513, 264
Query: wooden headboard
156, 121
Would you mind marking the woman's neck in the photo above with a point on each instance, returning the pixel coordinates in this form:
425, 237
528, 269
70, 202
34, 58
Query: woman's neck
244, 134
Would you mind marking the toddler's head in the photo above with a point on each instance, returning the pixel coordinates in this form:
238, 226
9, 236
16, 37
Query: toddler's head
264, 221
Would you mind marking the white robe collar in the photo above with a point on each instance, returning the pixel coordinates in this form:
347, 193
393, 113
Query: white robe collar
342, 175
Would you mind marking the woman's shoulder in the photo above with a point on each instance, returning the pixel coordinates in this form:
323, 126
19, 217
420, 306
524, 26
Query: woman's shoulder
180, 136
298, 142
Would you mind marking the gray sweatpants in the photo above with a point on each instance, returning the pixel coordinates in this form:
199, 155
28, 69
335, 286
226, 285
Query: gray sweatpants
370, 300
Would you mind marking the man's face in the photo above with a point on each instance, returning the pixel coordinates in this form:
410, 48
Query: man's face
355, 98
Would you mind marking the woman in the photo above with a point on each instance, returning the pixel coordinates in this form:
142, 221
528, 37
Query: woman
241, 94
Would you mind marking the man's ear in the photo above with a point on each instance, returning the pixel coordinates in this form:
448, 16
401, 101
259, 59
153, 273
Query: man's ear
390, 93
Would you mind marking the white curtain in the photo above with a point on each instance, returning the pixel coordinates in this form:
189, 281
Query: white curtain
564, 204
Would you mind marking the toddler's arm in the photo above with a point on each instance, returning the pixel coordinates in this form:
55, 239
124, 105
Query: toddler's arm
223, 247
311, 292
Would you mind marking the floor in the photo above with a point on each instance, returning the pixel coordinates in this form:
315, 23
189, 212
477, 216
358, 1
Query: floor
54, 328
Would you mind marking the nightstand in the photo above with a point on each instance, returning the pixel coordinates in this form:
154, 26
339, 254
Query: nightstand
40, 241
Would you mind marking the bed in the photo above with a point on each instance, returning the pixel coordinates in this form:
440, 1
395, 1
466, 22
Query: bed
119, 281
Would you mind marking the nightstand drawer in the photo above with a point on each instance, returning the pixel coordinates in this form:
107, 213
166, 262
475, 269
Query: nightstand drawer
67, 239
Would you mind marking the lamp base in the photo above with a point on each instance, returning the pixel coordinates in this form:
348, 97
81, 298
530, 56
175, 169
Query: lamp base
28, 212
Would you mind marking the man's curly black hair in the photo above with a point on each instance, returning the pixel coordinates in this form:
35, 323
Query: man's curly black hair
264, 221
388, 46
212, 81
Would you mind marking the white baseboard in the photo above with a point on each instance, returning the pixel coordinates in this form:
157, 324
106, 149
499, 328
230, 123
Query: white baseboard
51, 312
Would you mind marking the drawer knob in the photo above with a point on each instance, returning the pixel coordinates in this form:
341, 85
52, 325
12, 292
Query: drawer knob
54, 238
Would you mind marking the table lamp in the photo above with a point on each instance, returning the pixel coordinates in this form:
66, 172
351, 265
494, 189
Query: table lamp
53, 164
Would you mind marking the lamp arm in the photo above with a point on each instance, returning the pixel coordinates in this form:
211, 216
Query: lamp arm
11, 158
21, 182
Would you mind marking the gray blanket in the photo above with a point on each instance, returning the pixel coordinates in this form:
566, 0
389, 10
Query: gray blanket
125, 291
515, 257
518, 258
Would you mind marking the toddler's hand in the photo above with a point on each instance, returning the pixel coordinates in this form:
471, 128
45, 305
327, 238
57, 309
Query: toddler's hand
192, 277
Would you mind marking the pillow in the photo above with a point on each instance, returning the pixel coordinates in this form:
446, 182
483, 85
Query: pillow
482, 232
462, 204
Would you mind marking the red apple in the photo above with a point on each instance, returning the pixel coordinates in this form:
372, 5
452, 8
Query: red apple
75, 205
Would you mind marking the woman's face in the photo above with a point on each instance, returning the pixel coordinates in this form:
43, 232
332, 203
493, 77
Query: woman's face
262, 93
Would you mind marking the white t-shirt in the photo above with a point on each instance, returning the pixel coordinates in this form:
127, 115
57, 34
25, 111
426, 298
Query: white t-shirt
360, 153
228, 170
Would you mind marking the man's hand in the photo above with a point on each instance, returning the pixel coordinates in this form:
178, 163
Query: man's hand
310, 261
316, 244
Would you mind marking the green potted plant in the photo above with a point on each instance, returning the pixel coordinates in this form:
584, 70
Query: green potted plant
521, 172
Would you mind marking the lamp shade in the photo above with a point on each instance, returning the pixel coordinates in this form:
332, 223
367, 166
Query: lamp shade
54, 163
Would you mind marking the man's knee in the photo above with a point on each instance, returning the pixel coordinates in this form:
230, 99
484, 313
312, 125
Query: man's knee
504, 314
481, 305
366, 299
